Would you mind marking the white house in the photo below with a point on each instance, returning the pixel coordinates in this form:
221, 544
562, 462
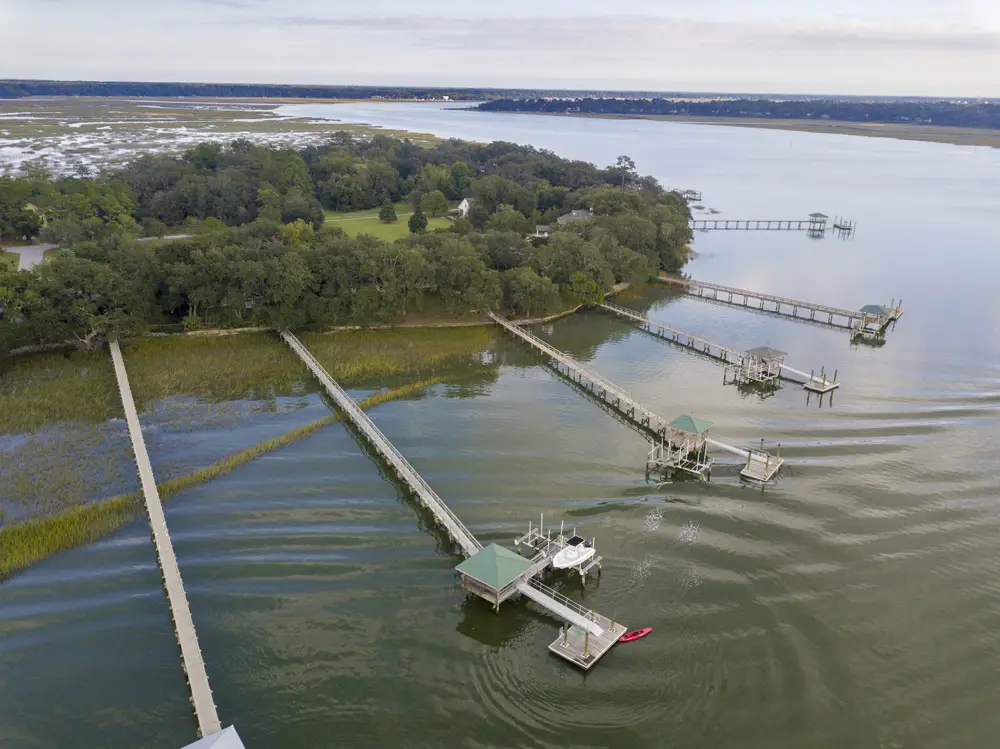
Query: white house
464, 207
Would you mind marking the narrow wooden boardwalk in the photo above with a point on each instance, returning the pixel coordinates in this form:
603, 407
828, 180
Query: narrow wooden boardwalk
722, 224
187, 638
760, 465
407, 473
719, 353
835, 316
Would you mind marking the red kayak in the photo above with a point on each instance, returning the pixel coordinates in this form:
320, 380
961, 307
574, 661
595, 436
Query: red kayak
635, 634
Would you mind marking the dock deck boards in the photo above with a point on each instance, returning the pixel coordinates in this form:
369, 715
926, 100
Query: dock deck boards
584, 651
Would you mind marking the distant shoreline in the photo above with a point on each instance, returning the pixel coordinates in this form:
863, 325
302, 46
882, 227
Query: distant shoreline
958, 136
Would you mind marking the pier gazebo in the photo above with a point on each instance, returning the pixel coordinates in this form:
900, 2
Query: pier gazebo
494, 573
684, 447
758, 366
817, 223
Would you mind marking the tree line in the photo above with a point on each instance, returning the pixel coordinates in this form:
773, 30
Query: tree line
261, 253
920, 112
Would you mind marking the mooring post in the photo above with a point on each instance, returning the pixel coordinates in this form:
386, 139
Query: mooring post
565, 635
835, 375
779, 449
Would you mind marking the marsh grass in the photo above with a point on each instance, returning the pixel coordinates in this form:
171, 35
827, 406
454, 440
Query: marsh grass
251, 366
42, 389
26, 543
356, 357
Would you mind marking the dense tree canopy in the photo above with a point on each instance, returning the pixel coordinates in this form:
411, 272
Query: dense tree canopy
261, 253
984, 114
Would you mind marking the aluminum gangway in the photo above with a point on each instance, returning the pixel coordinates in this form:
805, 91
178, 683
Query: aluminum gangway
738, 361
836, 316
191, 658
428, 497
760, 465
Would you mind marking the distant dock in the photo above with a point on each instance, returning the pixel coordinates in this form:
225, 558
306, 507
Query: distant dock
674, 443
870, 322
762, 366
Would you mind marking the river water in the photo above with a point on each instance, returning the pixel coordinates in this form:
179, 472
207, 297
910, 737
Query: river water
853, 604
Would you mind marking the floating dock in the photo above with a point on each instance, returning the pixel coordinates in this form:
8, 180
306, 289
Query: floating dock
760, 466
758, 366
493, 572
191, 658
871, 320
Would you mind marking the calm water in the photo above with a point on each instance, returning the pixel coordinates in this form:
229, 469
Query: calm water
854, 604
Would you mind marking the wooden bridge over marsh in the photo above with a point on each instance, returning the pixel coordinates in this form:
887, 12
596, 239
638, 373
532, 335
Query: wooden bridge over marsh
191, 658
667, 436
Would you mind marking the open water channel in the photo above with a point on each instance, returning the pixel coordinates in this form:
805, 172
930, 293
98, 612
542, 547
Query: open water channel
854, 604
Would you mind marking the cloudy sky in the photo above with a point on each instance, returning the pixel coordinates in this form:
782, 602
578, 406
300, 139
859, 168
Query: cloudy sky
920, 47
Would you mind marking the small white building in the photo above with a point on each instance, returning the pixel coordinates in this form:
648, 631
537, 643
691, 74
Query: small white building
464, 207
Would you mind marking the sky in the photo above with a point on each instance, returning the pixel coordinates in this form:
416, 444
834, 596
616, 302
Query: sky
887, 47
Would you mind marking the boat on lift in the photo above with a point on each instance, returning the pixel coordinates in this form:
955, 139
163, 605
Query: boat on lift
576, 551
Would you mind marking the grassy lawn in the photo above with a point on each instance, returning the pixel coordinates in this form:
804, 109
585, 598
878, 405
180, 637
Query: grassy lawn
9, 261
367, 222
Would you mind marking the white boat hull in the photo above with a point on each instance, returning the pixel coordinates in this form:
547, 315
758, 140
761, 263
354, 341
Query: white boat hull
572, 556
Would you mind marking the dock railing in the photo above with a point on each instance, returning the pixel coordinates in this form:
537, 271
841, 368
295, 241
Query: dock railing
429, 498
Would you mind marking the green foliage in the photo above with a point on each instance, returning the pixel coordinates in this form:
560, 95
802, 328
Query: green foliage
527, 294
264, 252
417, 222
584, 290
434, 203
387, 214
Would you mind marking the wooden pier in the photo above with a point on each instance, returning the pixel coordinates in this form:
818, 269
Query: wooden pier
654, 426
493, 573
191, 658
758, 366
872, 320
723, 224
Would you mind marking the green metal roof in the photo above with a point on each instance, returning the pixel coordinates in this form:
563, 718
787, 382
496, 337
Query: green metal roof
766, 352
494, 566
688, 423
818, 215
876, 309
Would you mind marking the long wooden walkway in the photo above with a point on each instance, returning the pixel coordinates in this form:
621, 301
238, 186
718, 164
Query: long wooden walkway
627, 406
835, 316
187, 638
407, 473
722, 224
562, 608
724, 354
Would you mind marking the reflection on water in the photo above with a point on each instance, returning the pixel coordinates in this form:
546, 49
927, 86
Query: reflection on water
853, 604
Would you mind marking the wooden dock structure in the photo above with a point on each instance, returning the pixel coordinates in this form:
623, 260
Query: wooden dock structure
760, 466
872, 320
519, 575
724, 224
191, 658
758, 366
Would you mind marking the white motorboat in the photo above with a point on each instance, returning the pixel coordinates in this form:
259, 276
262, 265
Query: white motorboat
576, 552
